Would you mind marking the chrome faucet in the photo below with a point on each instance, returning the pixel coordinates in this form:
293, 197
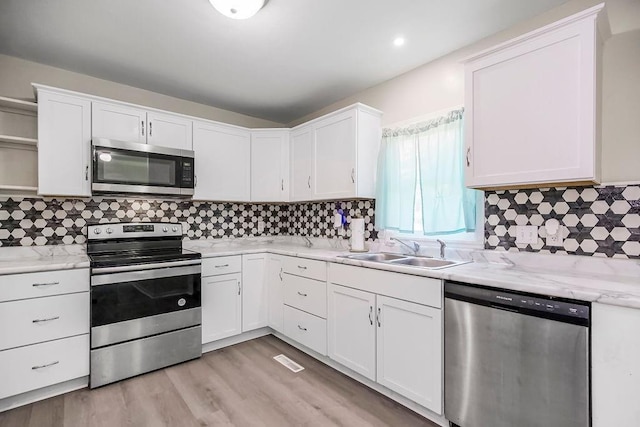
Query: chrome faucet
415, 248
442, 246
308, 243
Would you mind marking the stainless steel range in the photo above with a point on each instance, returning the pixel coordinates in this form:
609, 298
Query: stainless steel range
145, 300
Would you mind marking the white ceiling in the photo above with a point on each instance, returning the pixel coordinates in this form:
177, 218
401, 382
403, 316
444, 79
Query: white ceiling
294, 57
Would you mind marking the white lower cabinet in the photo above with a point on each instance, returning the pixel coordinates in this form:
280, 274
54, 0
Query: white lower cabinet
409, 350
254, 292
388, 340
351, 330
221, 306
40, 365
275, 292
305, 328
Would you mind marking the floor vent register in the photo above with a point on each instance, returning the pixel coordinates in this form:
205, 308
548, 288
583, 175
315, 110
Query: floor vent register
284, 360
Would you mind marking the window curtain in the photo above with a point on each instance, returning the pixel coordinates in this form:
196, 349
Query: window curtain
428, 155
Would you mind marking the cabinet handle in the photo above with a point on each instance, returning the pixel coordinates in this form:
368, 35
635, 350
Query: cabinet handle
142, 123
301, 328
353, 179
45, 366
150, 128
239, 288
371, 314
222, 265
301, 294
309, 182
282, 184
195, 180
37, 285
468, 153
280, 274
86, 173
302, 267
45, 320
378, 317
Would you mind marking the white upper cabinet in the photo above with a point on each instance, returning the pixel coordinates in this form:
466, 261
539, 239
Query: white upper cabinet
119, 122
335, 156
126, 123
64, 142
168, 130
270, 165
222, 160
301, 163
532, 107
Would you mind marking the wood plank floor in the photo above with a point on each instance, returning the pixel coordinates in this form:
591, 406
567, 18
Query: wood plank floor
240, 385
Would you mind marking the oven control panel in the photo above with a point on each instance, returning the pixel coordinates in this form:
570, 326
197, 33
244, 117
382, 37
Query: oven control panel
133, 230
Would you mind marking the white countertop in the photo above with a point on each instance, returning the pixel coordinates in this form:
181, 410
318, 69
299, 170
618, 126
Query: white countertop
608, 281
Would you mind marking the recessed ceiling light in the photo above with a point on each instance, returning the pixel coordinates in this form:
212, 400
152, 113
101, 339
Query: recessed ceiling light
238, 9
398, 41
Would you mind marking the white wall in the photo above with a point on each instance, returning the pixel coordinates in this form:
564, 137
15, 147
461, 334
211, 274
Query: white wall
16, 76
439, 85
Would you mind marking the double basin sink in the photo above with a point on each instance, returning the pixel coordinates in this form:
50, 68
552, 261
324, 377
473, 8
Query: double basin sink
412, 261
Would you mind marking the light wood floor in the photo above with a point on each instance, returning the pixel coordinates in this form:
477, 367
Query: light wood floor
237, 386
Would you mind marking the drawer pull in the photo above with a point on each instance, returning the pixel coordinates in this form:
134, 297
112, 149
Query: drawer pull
35, 368
301, 294
221, 266
37, 285
302, 267
301, 328
45, 320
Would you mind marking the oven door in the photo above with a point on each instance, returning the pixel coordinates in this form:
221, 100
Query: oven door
132, 302
127, 167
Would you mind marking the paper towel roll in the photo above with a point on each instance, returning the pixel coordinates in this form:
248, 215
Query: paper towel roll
357, 234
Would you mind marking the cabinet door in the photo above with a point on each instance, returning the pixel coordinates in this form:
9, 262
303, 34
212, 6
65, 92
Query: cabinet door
270, 166
275, 292
335, 156
120, 122
301, 163
615, 356
351, 329
409, 356
221, 307
223, 157
171, 131
64, 145
254, 292
531, 111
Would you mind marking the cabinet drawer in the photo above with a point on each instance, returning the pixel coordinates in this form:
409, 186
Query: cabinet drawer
305, 294
221, 265
307, 329
309, 268
32, 367
43, 284
43, 319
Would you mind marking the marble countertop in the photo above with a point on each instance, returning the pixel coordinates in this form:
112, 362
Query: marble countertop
604, 280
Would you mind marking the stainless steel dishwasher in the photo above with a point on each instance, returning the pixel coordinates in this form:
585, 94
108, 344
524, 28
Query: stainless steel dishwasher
515, 359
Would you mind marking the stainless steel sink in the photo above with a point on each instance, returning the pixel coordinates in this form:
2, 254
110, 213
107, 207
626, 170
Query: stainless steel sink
425, 262
376, 257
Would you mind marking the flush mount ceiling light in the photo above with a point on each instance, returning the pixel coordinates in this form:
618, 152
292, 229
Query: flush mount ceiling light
238, 9
398, 41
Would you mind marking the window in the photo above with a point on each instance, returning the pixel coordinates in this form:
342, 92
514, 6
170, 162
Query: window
421, 190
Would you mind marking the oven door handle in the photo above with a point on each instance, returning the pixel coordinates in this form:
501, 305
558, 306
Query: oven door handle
138, 267
133, 276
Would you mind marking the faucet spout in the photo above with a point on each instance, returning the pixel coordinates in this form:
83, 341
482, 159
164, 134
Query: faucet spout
415, 248
442, 246
308, 243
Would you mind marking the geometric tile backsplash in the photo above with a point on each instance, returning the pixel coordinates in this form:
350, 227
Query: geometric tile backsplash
600, 221
27, 221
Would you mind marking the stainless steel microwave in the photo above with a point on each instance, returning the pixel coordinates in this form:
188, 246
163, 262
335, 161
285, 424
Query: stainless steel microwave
129, 167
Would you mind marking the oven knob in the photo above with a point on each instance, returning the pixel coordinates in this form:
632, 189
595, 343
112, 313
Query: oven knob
165, 229
97, 231
109, 230
174, 229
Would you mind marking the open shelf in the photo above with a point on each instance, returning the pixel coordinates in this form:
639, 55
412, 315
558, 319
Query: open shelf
18, 140
18, 104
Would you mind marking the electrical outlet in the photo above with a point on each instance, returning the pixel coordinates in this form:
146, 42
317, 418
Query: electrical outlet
555, 239
260, 226
526, 234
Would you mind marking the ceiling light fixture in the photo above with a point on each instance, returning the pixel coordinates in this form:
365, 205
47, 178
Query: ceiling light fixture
237, 9
398, 41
